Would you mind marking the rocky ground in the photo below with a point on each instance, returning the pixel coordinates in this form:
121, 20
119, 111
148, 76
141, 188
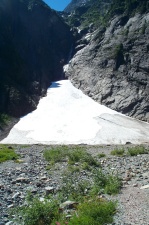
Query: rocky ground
30, 174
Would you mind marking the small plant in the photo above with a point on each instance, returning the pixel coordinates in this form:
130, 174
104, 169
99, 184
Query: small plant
106, 183
7, 153
101, 155
56, 154
117, 152
4, 119
73, 188
133, 151
72, 155
73, 169
94, 212
36, 212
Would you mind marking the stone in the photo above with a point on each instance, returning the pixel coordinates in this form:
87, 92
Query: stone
145, 187
15, 195
22, 180
9, 223
68, 205
49, 190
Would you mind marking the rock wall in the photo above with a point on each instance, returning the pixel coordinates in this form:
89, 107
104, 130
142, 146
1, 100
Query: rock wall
34, 46
113, 68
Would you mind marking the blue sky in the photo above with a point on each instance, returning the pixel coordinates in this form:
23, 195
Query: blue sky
58, 5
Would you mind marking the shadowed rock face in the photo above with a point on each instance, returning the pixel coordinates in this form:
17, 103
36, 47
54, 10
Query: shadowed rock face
113, 68
34, 46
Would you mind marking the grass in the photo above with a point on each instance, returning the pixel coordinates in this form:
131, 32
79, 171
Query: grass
72, 155
94, 212
138, 150
101, 155
73, 188
90, 212
118, 152
106, 183
7, 153
36, 212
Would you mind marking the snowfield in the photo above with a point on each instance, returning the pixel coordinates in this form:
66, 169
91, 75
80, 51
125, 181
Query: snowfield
67, 116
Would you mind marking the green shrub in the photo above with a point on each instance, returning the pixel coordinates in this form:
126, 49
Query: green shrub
36, 212
106, 183
101, 155
56, 154
117, 152
94, 212
133, 151
4, 119
72, 154
73, 188
7, 154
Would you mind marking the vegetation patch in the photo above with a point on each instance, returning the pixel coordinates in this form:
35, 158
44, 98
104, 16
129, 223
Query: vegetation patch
118, 152
7, 153
81, 184
106, 183
101, 155
72, 155
36, 212
4, 119
138, 150
94, 212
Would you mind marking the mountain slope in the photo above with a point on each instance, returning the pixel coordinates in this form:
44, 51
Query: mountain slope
111, 63
34, 45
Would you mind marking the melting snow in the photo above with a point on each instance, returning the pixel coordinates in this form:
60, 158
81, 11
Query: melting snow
67, 116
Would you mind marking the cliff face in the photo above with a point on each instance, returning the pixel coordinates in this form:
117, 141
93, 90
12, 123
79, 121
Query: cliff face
34, 46
112, 64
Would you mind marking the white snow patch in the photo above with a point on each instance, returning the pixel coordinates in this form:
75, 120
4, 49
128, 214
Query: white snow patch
67, 116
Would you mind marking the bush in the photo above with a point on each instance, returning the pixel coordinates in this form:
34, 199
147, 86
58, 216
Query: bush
36, 212
7, 154
133, 151
72, 154
101, 155
94, 212
118, 152
106, 183
56, 154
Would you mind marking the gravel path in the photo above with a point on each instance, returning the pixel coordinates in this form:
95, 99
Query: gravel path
16, 179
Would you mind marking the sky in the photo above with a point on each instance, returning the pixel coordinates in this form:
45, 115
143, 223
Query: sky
58, 5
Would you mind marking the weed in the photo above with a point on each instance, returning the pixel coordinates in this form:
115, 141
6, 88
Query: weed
73, 155
94, 212
101, 155
73, 169
36, 212
73, 188
133, 151
56, 154
106, 183
7, 154
117, 152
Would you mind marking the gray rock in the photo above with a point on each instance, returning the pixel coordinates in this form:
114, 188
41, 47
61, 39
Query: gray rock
49, 190
113, 70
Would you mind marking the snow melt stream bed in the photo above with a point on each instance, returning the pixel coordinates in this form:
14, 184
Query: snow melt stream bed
67, 116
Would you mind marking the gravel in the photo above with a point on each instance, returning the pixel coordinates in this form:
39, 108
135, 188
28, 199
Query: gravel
30, 174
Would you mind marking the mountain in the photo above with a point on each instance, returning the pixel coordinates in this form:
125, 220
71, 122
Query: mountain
111, 60
106, 40
34, 45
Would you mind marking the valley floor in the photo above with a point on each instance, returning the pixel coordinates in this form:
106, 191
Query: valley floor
31, 174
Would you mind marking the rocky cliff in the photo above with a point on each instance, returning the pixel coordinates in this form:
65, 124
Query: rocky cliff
34, 46
111, 61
